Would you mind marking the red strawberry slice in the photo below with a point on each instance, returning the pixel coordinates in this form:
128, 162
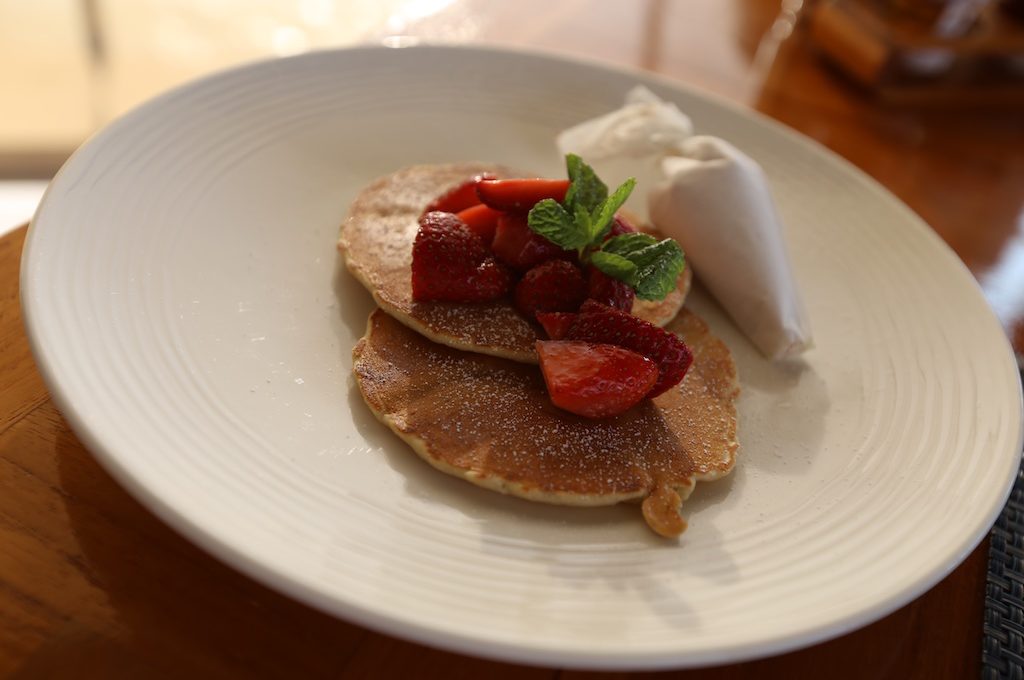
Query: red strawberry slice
520, 247
519, 195
481, 220
609, 291
592, 306
451, 263
604, 288
620, 226
556, 324
459, 197
552, 286
593, 380
601, 323
490, 281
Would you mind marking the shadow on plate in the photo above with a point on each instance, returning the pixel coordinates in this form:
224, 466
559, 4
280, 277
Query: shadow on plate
355, 304
581, 546
787, 399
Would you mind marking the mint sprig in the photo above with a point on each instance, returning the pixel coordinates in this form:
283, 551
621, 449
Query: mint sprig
586, 188
583, 219
606, 211
656, 264
551, 220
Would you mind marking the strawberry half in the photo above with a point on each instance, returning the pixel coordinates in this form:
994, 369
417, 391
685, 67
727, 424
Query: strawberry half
593, 380
520, 247
620, 226
552, 286
481, 220
459, 197
519, 195
601, 323
451, 263
556, 324
609, 291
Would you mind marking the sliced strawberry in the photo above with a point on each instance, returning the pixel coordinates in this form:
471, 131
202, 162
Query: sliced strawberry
520, 247
451, 263
459, 197
601, 323
490, 281
556, 324
519, 195
593, 380
592, 306
481, 220
620, 226
609, 291
552, 286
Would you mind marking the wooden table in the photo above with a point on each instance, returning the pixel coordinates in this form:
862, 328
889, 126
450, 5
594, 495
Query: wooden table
93, 585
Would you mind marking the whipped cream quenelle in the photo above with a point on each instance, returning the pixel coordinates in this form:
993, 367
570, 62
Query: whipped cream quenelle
715, 201
630, 142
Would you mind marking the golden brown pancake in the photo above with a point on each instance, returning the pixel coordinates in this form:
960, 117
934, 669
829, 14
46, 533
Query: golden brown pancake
490, 421
376, 243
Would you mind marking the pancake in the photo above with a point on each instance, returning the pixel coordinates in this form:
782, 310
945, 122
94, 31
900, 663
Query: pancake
490, 421
376, 244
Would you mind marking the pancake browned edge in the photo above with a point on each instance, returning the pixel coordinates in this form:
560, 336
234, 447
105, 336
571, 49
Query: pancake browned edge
491, 422
376, 244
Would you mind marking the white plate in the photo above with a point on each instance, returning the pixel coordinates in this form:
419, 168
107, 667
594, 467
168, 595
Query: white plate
185, 303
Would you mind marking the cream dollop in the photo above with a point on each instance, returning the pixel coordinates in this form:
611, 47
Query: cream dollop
630, 142
715, 201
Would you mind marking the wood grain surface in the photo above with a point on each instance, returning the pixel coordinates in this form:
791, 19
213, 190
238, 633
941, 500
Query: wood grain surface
92, 585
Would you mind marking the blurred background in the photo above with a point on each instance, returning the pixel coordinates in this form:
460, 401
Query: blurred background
927, 96
68, 67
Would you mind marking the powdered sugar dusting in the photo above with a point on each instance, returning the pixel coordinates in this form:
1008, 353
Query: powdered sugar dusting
377, 239
493, 419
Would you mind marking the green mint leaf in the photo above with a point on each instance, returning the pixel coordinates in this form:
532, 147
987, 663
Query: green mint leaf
583, 222
605, 212
572, 168
586, 188
656, 277
626, 244
658, 263
614, 266
549, 219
